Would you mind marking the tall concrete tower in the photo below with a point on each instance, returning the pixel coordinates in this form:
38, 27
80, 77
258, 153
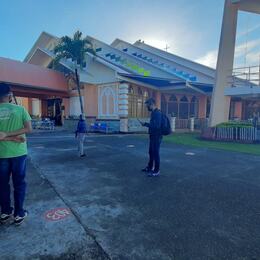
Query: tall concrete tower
220, 103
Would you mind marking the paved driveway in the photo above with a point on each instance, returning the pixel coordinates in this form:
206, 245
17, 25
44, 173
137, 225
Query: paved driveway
205, 204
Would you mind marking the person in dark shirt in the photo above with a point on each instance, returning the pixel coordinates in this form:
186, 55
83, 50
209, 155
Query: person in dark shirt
255, 120
155, 139
80, 135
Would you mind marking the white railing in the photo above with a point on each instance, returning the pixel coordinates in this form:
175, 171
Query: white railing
182, 123
249, 134
245, 76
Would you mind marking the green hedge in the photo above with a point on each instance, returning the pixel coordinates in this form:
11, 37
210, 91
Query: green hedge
235, 124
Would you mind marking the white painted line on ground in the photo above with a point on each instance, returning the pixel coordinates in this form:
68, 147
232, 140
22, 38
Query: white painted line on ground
72, 136
51, 137
65, 149
189, 153
130, 146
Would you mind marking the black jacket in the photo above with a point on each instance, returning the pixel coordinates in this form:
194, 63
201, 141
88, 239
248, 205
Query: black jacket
155, 122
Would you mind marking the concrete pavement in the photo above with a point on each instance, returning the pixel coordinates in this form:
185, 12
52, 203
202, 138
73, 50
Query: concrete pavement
42, 238
205, 205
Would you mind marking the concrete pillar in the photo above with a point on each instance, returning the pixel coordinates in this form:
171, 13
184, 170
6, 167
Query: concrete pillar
36, 104
173, 123
202, 107
192, 124
220, 103
158, 99
123, 107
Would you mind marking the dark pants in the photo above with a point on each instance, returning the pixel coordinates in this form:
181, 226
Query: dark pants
16, 167
154, 152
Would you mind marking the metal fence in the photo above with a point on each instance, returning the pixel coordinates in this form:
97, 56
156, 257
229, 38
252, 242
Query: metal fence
199, 123
245, 75
182, 123
247, 134
45, 124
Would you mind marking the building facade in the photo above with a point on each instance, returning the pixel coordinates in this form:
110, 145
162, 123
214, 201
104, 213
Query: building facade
119, 78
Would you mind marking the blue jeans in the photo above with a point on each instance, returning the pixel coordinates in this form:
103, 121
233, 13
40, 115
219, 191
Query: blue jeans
17, 168
154, 152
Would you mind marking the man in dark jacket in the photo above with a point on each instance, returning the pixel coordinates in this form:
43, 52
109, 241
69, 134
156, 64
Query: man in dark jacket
80, 135
155, 136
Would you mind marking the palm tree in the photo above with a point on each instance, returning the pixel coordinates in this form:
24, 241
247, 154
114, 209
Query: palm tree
74, 48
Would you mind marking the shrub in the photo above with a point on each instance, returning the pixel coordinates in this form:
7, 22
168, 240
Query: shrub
235, 124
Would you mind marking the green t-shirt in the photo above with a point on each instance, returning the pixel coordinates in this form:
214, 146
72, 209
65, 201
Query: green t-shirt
12, 118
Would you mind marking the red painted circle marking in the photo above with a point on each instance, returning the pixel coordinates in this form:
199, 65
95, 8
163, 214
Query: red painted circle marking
57, 214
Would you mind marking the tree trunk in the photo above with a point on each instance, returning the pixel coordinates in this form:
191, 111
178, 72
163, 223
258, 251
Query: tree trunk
80, 97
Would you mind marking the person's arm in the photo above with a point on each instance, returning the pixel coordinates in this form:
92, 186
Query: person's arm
146, 124
155, 124
17, 139
143, 123
27, 128
77, 130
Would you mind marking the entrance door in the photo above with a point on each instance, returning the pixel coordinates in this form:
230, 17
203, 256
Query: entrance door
54, 110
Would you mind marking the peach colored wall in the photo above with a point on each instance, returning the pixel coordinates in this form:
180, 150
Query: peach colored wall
44, 108
30, 106
158, 99
91, 100
31, 75
238, 109
202, 106
66, 104
25, 103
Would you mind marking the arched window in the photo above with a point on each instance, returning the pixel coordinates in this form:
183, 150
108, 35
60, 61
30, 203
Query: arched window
130, 90
184, 108
194, 107
173, 107
173, 98
108, 106
136, 102
140, 102
140, 92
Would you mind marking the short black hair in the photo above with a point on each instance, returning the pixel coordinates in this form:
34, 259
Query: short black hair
150, 101
4, 89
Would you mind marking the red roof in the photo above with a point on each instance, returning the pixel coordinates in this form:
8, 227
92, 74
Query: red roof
31, 76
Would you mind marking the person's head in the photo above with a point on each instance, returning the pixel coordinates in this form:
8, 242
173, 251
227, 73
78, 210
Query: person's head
81, 117
150, 104
5, 93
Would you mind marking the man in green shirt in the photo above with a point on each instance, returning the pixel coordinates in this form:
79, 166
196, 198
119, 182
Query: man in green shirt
15, 122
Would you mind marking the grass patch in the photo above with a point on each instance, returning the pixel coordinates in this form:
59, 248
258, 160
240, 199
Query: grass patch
193, 140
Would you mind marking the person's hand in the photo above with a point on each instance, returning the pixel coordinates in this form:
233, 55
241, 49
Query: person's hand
19, 139
3, 135
142, 123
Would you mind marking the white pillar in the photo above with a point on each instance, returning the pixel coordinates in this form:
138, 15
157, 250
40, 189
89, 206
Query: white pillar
220, 103
173, 123
192, 124
36, 107
123, 107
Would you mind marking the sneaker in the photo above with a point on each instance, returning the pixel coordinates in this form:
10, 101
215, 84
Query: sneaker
154, 173
146, 169
19, 220
5, 217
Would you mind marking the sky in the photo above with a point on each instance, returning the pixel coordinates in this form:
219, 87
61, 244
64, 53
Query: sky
190, 28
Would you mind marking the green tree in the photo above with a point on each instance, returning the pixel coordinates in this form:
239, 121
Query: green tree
74, 48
